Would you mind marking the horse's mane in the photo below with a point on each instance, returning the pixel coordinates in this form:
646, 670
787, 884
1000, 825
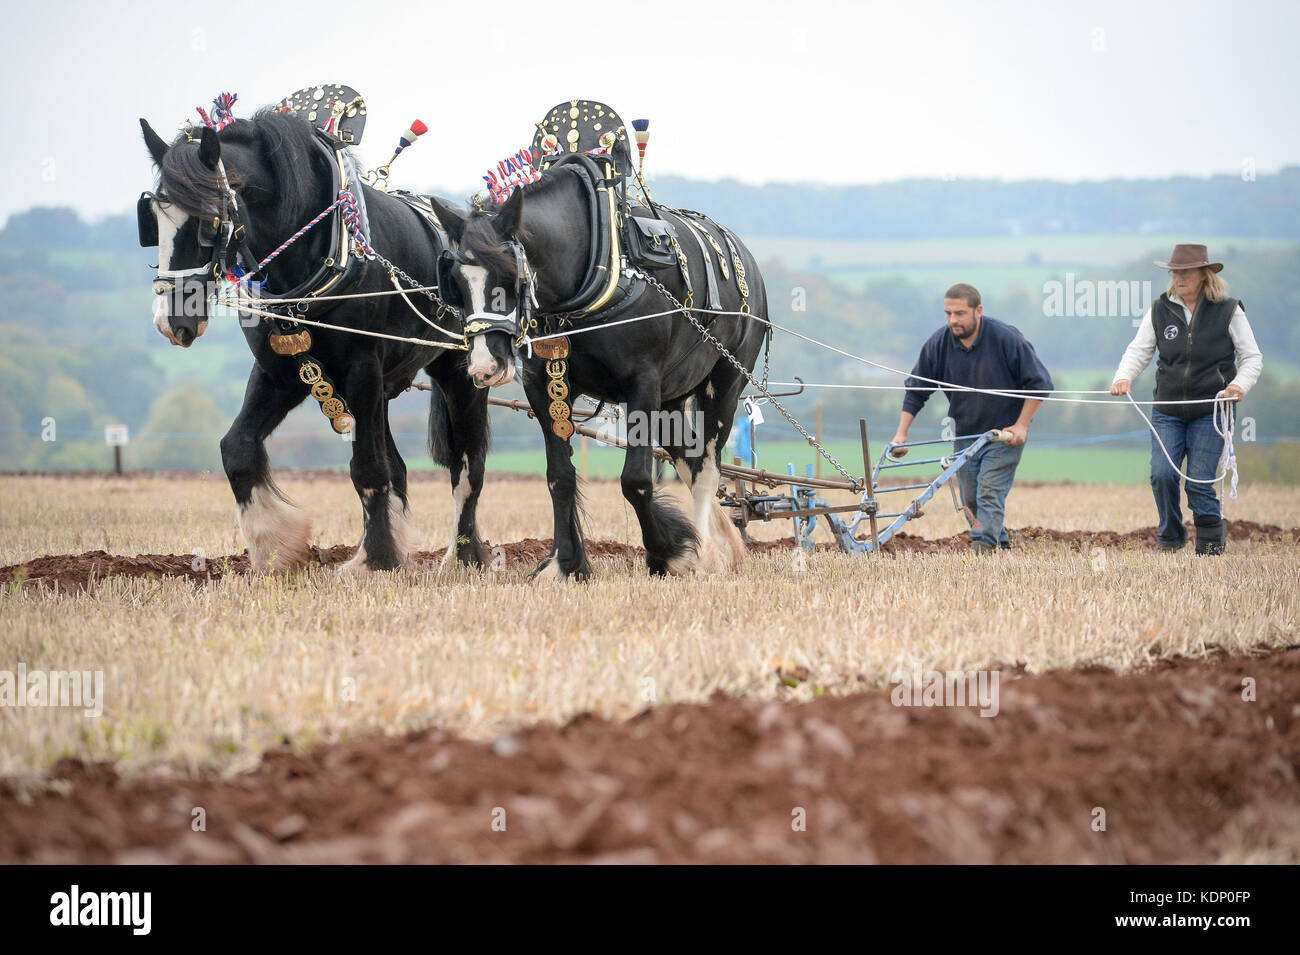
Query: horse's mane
481, 240
287, 142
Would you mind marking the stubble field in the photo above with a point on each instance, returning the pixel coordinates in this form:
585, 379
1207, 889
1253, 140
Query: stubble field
212, 674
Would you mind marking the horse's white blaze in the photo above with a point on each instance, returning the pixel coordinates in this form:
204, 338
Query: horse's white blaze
480, 357
459, 492
275, 531
169, 223
476, 280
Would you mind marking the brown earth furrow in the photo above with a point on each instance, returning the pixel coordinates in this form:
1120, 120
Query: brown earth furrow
1184, 768
75, 572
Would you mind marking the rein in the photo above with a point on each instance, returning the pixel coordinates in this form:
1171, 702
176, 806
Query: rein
347, 204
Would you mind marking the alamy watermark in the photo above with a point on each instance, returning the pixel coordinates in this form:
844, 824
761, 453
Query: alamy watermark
1089, 298
947, 688
678, 430
82, 689
75, 907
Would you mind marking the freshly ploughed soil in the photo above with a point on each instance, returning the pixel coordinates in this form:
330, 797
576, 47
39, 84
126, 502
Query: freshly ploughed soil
75, 572
1166, 765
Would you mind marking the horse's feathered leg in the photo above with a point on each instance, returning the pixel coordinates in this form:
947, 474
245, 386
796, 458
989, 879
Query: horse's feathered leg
275, 531
569, 555
671, 543
715, 408
458, 433
384, 512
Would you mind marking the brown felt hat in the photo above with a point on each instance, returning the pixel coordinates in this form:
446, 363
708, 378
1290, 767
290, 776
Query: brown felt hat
1190, 257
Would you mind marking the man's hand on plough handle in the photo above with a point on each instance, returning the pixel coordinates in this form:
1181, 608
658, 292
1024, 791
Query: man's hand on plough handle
1014, 435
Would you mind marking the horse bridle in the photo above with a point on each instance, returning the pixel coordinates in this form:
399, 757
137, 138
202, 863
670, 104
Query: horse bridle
227, 234
477, 323
224, 233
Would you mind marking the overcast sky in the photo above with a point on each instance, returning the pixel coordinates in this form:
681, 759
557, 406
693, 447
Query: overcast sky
761, 92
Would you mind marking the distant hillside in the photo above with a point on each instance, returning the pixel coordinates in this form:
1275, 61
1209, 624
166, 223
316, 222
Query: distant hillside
1267, 207
78, 348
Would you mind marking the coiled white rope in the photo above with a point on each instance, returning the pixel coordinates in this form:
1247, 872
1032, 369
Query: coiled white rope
1223, 411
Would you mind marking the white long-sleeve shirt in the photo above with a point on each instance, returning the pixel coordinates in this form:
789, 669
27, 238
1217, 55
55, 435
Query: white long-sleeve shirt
1249, 359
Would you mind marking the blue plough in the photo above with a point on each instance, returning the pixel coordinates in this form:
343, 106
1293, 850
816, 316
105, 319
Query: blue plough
804, 506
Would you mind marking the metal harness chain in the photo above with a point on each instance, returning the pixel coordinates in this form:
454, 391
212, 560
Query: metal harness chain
762, 388
767, 355
442, 307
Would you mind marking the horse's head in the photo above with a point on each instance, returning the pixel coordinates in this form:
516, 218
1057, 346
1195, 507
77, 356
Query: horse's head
193, 219
487, 279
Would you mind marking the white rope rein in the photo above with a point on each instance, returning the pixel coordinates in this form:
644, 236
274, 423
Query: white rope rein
1004, 392
299, 320
1224, 419
334, 298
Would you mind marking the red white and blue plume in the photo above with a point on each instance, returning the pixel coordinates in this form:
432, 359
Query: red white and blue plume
510, 174
223, 111
417, 130
641, 127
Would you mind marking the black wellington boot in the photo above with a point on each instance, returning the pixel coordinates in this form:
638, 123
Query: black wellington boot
1211, 536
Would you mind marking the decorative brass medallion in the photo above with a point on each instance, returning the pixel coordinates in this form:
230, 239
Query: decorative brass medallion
293, 344
558, 391
552, 348
332, 405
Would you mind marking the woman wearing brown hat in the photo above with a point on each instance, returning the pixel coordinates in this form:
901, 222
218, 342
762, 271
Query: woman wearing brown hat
1206, 349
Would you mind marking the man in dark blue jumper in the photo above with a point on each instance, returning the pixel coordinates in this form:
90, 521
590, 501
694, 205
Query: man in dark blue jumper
979, 352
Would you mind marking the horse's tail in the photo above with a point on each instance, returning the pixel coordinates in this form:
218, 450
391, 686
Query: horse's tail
440, 427
470, 439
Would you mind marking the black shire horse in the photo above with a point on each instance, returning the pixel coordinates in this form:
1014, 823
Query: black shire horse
237, 195
654, 366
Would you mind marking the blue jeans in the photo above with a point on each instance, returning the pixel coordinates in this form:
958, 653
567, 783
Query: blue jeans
985, 480
1198, 442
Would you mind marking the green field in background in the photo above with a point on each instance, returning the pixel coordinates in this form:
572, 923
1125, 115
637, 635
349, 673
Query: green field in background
992, 264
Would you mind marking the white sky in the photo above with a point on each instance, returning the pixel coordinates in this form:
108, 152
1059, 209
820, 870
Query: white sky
761, 92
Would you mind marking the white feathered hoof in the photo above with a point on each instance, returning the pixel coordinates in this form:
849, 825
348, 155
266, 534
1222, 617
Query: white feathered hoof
726, 538
276, 533
355, 566
398, 523
549, 572
685, 564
